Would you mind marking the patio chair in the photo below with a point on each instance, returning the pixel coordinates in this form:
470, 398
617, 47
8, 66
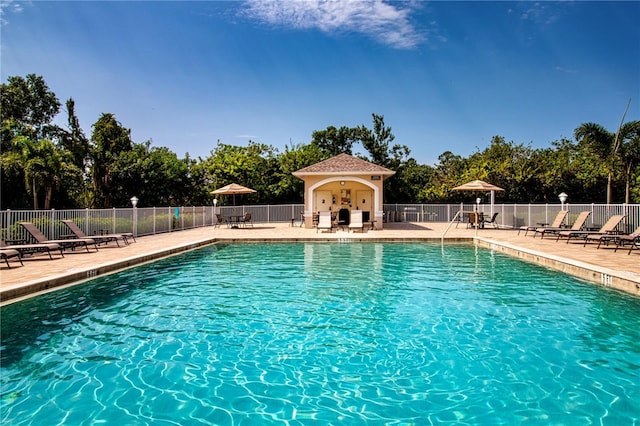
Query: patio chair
608, 228
356, 221
71, 243
578, 225
475, 219
220, 220
246, 220
33, 248
491, 221
556, 224
7, 253
324, 221
99, 239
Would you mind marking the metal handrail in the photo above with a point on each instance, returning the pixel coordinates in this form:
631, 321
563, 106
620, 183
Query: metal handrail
455, 217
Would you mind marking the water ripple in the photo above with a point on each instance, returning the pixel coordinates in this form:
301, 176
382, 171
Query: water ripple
324, 334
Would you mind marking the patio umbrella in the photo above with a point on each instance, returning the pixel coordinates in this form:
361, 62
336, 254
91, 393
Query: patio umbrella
477, 185
233, 189
480, 186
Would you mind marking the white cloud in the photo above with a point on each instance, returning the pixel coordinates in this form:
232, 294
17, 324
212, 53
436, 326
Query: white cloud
539, 13
7, 6
384, 22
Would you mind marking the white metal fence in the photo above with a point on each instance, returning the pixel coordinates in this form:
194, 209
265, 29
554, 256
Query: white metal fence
154, 220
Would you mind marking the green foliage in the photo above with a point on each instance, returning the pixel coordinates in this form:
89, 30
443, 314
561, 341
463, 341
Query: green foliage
333, 141
287, 188
253, 166
44, 165
110, 139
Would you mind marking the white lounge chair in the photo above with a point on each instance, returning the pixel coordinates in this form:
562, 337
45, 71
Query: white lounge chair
324, 221
356, 221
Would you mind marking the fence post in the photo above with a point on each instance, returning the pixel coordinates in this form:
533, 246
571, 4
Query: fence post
154, 220
134, 215
51, 225
7, 235
546, 213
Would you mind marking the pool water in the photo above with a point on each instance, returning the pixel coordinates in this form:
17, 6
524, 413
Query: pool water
324, 333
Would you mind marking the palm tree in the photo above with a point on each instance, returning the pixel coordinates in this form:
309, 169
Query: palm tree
629, 152
602, 143
45, 167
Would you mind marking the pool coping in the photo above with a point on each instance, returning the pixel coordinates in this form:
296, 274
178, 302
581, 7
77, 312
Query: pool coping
628, 282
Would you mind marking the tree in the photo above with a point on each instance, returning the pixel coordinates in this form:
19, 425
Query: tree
110, 139
27, 109
153, 174
377, 142
447, 174
332, 141
408, 183
45, 167
30, 104
599, 141
254, 165
629, 152
286, 187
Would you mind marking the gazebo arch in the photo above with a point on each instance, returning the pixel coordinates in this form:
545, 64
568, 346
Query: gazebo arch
310, 191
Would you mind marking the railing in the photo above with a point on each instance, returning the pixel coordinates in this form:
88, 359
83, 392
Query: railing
516, 215
155, 220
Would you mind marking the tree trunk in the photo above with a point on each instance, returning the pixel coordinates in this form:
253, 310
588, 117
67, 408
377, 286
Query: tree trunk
47, 198
627, 186
35, 194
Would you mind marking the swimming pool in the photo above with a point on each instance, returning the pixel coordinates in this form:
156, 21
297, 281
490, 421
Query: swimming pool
324, 333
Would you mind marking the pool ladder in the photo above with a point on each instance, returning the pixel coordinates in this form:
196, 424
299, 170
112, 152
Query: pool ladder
455, 217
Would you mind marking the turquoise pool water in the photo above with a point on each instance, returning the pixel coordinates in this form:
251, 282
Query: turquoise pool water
324, 333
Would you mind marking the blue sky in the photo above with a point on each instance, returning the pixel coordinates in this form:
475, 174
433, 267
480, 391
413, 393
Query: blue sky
446, 76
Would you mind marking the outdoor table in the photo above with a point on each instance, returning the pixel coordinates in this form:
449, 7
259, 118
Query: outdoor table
235, 220
470, 222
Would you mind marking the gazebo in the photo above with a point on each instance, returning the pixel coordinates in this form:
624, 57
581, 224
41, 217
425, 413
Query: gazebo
341, 184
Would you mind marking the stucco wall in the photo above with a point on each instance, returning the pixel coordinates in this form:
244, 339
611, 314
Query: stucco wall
365, 194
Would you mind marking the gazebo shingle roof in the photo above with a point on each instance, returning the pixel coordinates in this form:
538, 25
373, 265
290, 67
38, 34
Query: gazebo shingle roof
343, 164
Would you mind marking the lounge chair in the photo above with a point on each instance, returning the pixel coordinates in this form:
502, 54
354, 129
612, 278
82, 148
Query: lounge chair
607, 233
7, 253
578, 225
71, 243
324, 221
607, 228
356, 221
556, 224
33, 248
246, 220
633, 239
105, 238
612, 237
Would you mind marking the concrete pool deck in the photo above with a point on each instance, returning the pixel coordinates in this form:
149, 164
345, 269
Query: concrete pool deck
602, 266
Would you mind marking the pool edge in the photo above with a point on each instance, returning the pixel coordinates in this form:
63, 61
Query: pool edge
625, 281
